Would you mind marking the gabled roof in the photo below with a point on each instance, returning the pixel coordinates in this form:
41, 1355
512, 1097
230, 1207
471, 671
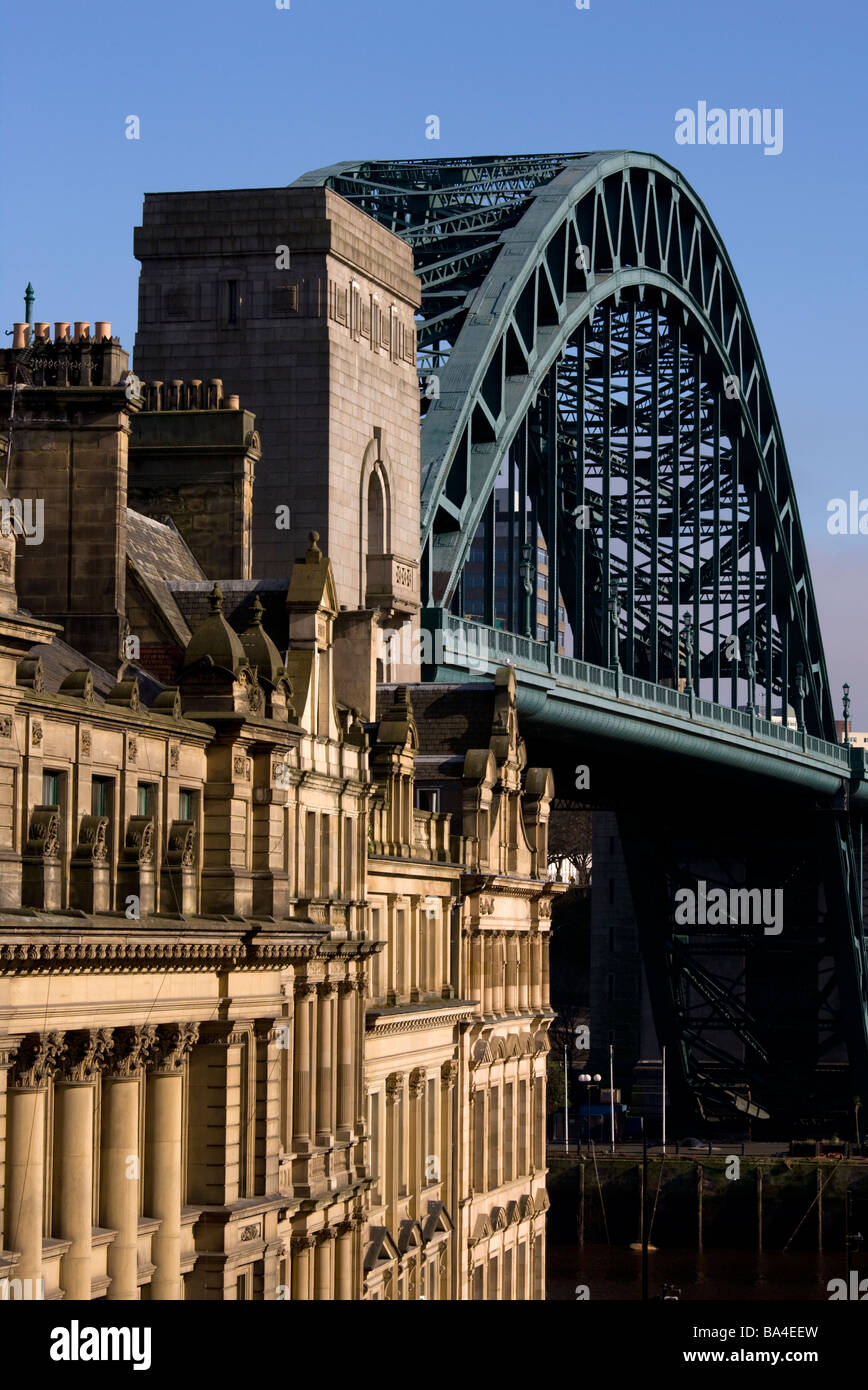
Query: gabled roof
157, 552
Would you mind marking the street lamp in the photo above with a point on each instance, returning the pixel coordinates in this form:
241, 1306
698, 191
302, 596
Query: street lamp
750, 671
587, 1080
846, 690
801, 692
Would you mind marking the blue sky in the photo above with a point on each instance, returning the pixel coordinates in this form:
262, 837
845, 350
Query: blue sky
245, 95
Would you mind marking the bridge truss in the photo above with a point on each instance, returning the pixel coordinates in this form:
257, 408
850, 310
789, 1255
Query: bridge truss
603, 469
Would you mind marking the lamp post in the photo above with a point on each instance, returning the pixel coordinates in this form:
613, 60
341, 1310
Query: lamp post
801, 692
687, 630
846, 690
750, 671
614, 627
525, 569
589, 1081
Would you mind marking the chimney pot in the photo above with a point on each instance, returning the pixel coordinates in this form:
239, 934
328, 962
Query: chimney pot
41, 332
231, 403
19, 334
102, 329
61, 332
82, 332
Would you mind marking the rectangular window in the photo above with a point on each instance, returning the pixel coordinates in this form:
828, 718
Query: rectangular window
231, 301
100, 796
186, 804
542, 633
146, 799
51, 788
428, 798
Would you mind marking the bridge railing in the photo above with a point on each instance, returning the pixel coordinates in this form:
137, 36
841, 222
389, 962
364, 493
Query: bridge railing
476, 646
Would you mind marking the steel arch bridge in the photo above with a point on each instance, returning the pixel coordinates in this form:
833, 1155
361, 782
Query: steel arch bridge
607, 505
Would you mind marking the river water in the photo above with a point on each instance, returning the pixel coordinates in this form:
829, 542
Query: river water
614, 1273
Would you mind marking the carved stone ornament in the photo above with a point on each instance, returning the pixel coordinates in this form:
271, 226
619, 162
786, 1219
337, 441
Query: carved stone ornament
37, 1058
180, 850
5, 726
86, 1052
139, 841
86, 743
448, 1074
394, 1085
132, 749
5, 562
42, 833
239, 765
251, 1232
36, 732
92, 844
132, 1048
172, 1045
174, 757
416, 1083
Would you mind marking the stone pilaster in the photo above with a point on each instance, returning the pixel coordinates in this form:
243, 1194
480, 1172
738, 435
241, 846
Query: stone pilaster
163, 1156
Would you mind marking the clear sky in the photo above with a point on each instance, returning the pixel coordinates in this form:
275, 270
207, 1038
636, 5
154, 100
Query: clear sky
243, 94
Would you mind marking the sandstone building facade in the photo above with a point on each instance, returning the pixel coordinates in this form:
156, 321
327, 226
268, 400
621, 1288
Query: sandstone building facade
273, 938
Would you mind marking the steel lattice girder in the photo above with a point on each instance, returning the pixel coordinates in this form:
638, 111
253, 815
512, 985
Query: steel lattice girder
498, 313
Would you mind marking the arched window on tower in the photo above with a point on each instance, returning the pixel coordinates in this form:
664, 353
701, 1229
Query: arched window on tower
376, 516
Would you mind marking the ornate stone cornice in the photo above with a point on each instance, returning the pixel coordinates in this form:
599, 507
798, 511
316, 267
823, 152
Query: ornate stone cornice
37, 1058
33, 948
87, 1053
132, 1047
384, 1024
173, 1043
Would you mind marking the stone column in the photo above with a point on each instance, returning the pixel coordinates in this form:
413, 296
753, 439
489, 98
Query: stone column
346, 1056
416, 1141
544, 968
522, 946
324, 1264
7, 1052
487, 972
265, 1170
535, 969
325, 1068
74, 1094
301, 1247
163, 1137
498, 970
511, 972
36, 1059
361, 1101
394, 1092
344, 1260
119, 1161
305, 993
448, 1077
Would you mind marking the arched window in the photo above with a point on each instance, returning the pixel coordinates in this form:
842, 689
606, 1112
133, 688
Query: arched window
376, 516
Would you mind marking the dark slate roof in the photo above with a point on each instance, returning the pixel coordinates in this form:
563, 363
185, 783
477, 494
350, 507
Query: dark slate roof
59, 660
192, 600
450, 718
158, 553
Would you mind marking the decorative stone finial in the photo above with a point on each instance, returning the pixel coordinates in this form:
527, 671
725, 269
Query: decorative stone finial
257, 611
314, 554
216, 598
